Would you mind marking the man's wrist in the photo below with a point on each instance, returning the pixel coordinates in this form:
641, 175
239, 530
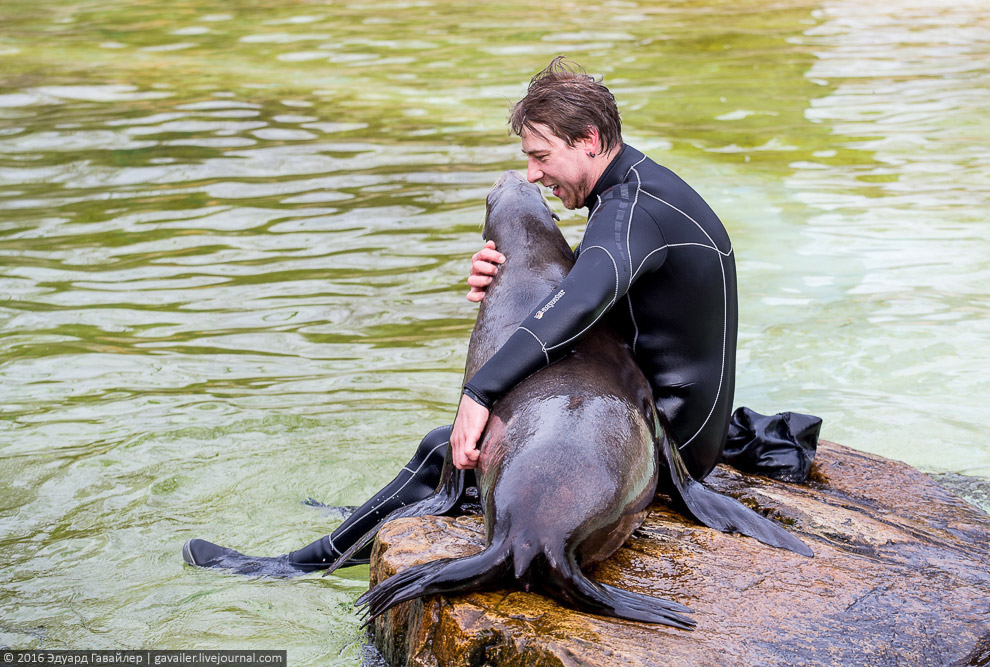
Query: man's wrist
476, 397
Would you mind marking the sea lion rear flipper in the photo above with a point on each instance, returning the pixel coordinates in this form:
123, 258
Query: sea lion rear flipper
447, 575
568, 584
723, 513
449, 492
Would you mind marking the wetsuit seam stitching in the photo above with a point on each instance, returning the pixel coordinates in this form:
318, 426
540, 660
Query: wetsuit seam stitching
432, 431
663, 247
591, 215
632, 211
404, 485
615, 298
542, 344
725, 307
633, 166
632, 317
714, 245
725, 335
699, 245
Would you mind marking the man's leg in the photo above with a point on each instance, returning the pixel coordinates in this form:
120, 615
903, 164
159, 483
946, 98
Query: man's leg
417, 480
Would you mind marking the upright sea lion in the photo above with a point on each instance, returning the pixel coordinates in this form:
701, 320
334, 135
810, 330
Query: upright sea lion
570, 458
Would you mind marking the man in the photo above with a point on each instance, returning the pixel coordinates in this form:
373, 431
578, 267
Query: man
655, 260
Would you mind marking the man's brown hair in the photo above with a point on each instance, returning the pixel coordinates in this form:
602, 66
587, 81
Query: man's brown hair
570, 102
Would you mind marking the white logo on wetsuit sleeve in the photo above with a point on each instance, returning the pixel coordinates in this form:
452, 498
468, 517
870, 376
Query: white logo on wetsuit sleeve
550, 304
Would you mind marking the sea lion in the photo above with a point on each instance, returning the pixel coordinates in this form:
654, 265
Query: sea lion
570, 458
569, 461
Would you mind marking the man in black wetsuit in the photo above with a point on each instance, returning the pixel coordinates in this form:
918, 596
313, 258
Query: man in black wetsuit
655, 260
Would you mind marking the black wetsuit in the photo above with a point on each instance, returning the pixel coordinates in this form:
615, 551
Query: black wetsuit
658, 263
655, 260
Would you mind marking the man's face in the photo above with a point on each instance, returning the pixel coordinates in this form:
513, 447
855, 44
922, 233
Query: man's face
566, 170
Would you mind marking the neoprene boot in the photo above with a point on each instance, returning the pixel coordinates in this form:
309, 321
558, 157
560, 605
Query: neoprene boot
417, 480
315, 556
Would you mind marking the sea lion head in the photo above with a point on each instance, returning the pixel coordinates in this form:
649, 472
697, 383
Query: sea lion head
517, 210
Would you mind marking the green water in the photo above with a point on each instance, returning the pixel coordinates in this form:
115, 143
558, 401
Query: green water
233, 238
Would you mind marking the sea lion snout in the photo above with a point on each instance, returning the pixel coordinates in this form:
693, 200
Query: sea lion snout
515, 202
513, 182
511, 174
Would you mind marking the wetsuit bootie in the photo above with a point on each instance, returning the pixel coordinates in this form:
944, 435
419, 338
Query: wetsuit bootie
206, 554
417, 480
313, 557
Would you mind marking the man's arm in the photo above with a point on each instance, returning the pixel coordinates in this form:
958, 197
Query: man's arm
471, 416
527, 351
553, 328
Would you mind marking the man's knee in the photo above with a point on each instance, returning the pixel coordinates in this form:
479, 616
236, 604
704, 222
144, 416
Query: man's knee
434, 445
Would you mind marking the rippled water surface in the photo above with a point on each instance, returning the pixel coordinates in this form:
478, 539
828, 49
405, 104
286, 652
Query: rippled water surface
233, 237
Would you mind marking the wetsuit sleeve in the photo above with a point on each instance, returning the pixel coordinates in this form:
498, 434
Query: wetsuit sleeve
620, 245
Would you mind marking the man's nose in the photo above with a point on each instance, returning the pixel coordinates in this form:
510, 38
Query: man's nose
533, 171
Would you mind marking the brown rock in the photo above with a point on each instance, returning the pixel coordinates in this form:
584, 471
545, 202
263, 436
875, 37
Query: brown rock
901, 576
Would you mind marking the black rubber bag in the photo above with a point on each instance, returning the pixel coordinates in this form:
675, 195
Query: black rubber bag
781, 446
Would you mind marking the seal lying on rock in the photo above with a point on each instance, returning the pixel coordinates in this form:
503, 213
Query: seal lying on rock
570, 458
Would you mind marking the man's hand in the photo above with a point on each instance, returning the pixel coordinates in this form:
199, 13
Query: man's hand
468, 425
484, 266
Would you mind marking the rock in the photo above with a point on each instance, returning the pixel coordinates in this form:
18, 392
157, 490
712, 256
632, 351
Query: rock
901, 576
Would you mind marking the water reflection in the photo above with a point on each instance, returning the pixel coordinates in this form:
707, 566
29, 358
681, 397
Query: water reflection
234, 280
908, 85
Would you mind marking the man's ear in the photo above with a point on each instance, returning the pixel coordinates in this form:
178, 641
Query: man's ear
589, 143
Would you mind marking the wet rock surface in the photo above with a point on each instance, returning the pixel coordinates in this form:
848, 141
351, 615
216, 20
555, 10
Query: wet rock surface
901, 576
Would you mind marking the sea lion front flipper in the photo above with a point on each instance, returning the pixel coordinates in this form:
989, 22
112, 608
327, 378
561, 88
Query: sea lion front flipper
724, 513
447, 495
